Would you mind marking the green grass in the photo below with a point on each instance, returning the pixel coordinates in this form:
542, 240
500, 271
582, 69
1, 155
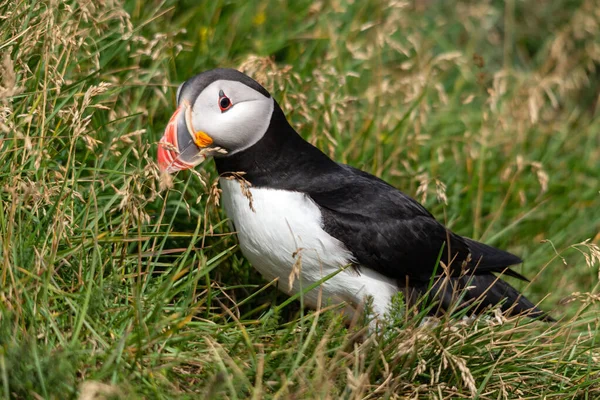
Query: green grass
485, 111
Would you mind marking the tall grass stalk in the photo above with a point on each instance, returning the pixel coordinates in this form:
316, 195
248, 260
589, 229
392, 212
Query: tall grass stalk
113, 285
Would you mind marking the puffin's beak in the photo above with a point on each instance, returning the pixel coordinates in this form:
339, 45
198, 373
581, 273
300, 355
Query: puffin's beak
180, 147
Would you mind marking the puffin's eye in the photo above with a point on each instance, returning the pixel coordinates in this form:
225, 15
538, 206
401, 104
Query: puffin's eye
224, 102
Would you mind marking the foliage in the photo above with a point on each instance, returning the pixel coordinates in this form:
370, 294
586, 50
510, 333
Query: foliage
112, 285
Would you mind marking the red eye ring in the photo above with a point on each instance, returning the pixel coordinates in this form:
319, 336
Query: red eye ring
224, 102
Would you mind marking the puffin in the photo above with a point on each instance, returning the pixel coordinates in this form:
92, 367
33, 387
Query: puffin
330, 231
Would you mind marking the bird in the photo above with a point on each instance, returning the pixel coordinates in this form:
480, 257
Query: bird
300, 216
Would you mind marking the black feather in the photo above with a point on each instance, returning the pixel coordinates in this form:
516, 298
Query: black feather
495, 257
476, 293
385, 229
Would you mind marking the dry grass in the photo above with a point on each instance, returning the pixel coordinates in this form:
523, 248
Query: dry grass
111, 283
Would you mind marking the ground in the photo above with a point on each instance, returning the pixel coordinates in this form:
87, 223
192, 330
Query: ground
114, 281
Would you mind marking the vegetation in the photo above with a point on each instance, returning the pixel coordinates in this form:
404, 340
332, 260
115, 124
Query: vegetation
115, 286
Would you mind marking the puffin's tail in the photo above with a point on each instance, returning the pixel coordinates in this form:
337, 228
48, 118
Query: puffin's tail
477, 293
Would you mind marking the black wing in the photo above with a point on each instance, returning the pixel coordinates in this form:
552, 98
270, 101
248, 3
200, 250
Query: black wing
384, 229
393, 234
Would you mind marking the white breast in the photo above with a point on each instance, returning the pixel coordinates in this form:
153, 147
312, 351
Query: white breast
286, 225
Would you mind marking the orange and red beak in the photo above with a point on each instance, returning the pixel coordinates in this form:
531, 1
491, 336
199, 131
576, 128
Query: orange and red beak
181, 147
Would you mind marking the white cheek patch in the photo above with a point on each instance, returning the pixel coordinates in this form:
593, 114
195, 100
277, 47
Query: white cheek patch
241, 126
245, 124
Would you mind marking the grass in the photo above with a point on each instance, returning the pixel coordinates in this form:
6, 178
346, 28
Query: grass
113, 286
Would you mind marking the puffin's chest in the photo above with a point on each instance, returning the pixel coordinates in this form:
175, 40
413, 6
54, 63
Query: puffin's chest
280, 227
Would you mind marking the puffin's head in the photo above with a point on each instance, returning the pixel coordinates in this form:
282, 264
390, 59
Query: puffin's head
219, 112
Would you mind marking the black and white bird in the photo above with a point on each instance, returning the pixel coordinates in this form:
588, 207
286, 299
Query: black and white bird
333, 215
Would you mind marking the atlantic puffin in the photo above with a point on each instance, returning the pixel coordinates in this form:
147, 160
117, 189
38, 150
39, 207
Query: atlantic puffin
300, 216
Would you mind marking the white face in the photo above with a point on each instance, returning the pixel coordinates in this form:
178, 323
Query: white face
239, 125
226, 117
